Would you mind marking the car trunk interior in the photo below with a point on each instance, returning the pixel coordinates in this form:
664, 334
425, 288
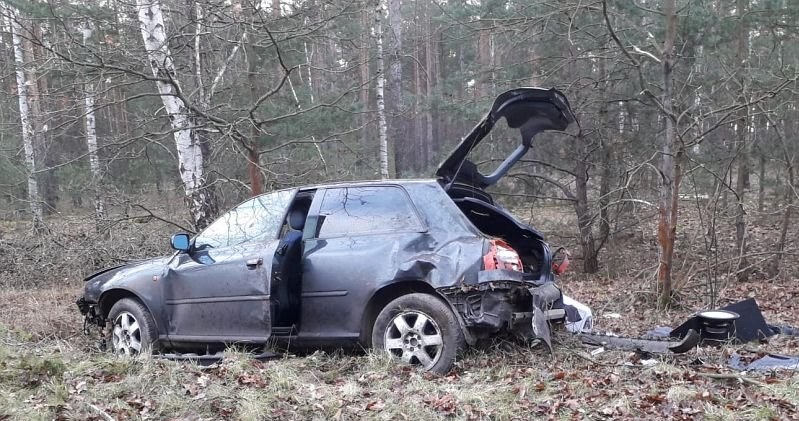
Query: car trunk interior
494, 221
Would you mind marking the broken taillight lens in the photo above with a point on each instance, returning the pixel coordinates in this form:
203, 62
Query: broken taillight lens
502, 256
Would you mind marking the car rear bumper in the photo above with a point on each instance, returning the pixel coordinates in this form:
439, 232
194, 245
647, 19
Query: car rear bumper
503, 300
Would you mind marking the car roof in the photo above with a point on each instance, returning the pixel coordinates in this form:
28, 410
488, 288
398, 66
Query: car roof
368, 183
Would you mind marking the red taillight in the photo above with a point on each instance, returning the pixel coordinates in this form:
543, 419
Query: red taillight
502, 256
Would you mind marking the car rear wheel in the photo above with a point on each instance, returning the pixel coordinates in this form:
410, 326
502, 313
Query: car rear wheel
419, 329
132, 328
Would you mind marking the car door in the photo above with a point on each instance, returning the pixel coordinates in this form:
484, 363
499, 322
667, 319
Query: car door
352, 238
219, 290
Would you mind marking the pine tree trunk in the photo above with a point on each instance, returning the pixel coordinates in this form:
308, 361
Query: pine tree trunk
381, 81
419, 92
48, 186
191, 160
403, 145
364, 70
429, 58
13, 26
484, 59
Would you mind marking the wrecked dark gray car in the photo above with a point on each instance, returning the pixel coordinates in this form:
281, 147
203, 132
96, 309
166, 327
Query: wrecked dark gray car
418, 268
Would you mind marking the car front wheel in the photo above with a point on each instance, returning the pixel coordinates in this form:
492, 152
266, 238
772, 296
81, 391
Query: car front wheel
132, 328
419, 329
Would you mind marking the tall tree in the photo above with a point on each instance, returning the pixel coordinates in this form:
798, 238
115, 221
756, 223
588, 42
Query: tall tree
191, 159
742, 137
25, 118
381, 82
403, 146
671, 160
90, 122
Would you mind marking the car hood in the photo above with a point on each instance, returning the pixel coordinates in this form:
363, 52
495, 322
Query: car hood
531, 110
101, 280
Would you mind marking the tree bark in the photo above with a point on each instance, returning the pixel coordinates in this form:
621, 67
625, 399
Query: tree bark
91, 141
584, 220
364, 70
381, 81
484, 59
786, 219
48, 184
191, 160
419, 92
761, 185
670, 163
741, 135
252, 148
425, 149
606, 157
308, 60
34, 198
403, 146
774, 268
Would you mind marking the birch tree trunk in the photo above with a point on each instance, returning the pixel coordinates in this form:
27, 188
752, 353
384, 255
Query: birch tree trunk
191, 160
308, 59
91, 141
381, 81
12, 26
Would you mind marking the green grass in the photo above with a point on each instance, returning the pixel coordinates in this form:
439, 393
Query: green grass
47, 380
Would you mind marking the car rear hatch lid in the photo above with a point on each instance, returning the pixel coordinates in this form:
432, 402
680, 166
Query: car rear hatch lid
531, 110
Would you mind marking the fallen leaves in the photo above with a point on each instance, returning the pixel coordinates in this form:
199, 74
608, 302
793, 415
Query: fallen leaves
444, 404
252, 380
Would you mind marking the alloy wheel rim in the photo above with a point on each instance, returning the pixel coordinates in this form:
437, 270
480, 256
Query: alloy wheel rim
126, 334
414, 338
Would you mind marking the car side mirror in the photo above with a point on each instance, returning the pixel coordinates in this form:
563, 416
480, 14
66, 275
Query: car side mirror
181, 242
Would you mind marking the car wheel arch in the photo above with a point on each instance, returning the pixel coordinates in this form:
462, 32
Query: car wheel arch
112, 296
394, 290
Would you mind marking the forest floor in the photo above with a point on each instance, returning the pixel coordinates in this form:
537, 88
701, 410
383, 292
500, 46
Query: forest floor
50, 370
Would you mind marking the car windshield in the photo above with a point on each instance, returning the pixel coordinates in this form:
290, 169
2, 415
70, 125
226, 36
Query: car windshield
256, 219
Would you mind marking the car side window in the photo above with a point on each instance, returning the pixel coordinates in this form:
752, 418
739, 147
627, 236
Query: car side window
359, 210
256, 219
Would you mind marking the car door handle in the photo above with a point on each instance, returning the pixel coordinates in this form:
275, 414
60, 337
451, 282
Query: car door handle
254, 263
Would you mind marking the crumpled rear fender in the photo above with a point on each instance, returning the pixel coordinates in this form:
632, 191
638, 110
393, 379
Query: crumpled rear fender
502, 300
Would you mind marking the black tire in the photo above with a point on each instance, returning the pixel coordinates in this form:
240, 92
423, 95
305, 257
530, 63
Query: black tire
131, 341
425, 318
